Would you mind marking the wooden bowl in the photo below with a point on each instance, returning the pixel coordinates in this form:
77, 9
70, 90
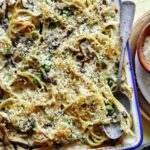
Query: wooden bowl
143, 35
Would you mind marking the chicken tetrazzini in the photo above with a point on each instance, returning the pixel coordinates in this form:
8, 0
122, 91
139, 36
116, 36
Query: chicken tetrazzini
58, 69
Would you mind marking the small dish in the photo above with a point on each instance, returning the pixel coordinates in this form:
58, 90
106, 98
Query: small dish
143, 35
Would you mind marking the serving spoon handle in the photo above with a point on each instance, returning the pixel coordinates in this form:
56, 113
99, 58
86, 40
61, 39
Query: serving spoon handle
113, 130
127, 13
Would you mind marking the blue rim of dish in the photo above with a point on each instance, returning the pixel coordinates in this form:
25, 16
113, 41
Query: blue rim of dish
136, 100
136, 97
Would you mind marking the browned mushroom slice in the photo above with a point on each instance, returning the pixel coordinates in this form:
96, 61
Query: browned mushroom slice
22, 83
105, 2
4, 94
16, 58
2, 8
72, 49
86, 49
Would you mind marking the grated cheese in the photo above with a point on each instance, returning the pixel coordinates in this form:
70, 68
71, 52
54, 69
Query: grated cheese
146, 48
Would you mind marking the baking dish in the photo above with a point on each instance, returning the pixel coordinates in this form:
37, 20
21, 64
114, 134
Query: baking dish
34, 124
129, 143
132, 143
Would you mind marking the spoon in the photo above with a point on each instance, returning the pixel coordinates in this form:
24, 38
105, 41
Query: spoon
127, 11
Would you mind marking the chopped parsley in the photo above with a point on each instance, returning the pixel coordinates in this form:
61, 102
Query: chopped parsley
26, 67
46, 1
35, 81
110, 110
6, 52
70, 121
66, 13
110, 81
112, 14
47, 67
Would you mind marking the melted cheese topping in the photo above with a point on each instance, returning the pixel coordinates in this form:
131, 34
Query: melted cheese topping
58, 67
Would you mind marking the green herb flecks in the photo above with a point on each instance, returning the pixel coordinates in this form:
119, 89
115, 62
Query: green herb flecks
67, 13
110, 110
50, 57
103, 64
46, 1
6, 52
30, 7
35, 81
70, 121
112, 14
65, 53
47, 67
110, 81
26, 67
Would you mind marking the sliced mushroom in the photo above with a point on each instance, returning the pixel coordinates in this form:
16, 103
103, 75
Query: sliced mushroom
54, 46
72, 49
112, 25
2, 8
4, 22
86, 48
106, 2
11, 62
45, 77
4, 94
22, 83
